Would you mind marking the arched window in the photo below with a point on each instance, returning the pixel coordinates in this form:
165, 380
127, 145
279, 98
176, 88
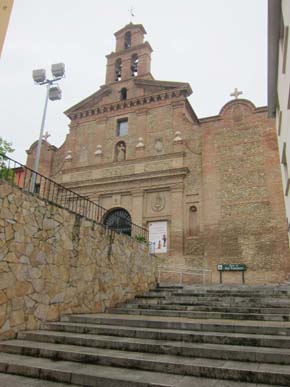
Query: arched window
118, 220
127, 40
118, 69
134, 65
123, 94
120, 151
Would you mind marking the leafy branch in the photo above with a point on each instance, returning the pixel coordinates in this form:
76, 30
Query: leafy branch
5, 173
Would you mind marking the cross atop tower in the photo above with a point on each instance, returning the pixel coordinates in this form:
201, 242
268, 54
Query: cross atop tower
236, 93
131, 14
46, 135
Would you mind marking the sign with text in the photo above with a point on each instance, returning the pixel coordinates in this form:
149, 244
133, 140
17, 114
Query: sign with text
232, 267
158, 236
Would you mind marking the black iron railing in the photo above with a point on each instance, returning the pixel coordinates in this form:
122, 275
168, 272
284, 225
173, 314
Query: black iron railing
28, 180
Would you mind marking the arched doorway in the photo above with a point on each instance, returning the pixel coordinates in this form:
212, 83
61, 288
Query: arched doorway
118, 219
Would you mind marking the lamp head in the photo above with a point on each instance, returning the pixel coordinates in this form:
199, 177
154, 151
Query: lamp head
38, 75
54, 93
58, 70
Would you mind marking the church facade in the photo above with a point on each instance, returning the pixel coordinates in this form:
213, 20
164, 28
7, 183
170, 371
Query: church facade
208, 189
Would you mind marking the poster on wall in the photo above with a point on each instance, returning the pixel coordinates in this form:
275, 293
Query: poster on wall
158, 236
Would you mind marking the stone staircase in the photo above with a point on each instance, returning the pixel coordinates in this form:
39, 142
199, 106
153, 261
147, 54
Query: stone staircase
218, 336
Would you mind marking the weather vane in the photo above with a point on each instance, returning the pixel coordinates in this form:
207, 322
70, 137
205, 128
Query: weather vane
131, 14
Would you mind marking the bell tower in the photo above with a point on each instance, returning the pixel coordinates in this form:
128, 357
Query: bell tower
132, 57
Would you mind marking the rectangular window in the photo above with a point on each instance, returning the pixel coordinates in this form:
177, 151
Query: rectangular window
282, 29
279, 122
283, 157
283, 41
285, 46
122, 127
285, 168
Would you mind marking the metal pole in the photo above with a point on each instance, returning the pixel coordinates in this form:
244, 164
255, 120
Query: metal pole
36, 161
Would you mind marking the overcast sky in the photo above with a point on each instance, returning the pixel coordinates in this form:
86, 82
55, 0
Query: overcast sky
215, 45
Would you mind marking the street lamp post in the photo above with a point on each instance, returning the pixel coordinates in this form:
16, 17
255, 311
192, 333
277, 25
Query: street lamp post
53, 93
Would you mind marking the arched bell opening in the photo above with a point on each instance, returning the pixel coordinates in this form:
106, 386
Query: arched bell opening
118, 70
134, 65
127, 40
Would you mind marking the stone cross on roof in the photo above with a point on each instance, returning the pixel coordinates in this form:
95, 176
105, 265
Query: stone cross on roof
45, 136
236, 93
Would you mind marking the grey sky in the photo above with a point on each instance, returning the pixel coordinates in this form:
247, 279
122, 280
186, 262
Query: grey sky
215, 45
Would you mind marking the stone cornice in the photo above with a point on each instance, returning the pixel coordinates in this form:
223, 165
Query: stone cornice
167, 174
131, 26
255, 110
103, 91
130, 50
147, 159
129, 103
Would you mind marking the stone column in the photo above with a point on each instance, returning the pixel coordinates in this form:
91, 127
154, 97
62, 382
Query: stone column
176, 235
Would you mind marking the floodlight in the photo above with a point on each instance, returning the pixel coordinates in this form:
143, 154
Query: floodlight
54, 93
38, 75
57, 70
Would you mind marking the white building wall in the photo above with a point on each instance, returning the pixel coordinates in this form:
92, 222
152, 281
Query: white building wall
283, 111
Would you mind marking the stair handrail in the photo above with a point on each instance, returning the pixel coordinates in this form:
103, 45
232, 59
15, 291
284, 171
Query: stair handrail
182, 272
17, 174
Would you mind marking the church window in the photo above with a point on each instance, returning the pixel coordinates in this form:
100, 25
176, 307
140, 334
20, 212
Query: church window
127, 41
118, 70
134, 65
123, 94
122, 127
120, 151
118, 220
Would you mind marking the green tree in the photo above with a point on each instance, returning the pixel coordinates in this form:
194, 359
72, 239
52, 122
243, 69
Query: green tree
6, 173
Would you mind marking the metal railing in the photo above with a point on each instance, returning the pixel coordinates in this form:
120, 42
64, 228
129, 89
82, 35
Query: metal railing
28, 180
181, 275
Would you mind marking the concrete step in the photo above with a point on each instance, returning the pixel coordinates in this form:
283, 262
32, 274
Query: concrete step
8, 380
238, 289
225, 298
98, 376
191, 336
209, 351
168, 287
222, 302
160, 322
206, 308
178, 365
232, 293
202, 315
212, 296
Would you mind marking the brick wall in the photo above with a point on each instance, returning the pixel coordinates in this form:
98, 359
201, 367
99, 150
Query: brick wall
243, 209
